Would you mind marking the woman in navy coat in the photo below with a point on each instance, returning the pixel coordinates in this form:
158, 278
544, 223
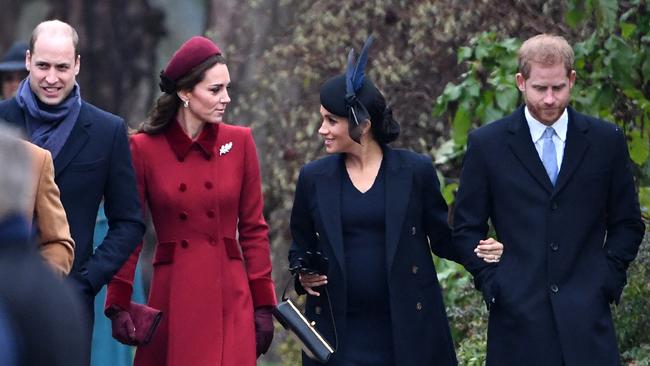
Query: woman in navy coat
377, 214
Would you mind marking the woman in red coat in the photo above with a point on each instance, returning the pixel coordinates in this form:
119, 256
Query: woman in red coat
200, 179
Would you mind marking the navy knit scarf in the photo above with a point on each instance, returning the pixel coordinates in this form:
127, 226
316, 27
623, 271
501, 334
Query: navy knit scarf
49, 126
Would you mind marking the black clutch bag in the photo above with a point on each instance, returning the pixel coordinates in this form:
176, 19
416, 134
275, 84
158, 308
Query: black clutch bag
287, 314
314, 345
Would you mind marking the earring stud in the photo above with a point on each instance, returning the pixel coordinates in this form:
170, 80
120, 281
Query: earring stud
186, 103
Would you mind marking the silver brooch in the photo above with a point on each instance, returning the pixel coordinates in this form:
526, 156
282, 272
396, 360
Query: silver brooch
225, 148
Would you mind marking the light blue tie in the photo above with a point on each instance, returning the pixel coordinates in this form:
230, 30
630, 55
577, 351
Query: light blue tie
549, 158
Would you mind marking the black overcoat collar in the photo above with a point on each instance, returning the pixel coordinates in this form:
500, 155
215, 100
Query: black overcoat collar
521, 144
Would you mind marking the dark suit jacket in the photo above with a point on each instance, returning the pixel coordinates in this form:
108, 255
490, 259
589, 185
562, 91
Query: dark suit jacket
416, 223
566, 248
94, 163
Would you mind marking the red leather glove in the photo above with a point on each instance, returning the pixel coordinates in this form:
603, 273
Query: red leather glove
123, 328
263, 328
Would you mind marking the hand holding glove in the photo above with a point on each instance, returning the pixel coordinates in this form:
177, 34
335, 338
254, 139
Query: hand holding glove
263, 328
123, 328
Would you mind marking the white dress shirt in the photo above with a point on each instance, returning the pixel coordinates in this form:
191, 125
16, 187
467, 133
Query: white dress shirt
559, 138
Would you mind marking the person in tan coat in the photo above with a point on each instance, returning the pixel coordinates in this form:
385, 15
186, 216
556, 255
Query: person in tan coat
55, 242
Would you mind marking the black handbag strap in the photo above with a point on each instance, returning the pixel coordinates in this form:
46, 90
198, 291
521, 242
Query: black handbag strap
294, 277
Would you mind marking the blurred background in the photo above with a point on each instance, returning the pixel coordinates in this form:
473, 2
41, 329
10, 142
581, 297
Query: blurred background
445, 66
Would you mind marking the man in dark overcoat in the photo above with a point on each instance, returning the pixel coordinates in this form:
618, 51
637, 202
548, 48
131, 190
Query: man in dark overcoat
558, 188
91, 158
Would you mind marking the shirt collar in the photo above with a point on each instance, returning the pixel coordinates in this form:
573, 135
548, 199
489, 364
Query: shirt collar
181, 144
537, 128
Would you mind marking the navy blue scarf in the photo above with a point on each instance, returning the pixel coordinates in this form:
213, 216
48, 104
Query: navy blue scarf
49, 126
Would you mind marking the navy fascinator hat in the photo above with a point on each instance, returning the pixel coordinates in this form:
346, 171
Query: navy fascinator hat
354, 96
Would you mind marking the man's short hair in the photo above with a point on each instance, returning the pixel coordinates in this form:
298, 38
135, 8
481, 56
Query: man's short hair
16, 173
545, 49
57, 26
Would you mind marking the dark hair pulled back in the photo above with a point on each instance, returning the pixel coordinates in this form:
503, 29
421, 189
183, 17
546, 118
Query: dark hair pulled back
167, 105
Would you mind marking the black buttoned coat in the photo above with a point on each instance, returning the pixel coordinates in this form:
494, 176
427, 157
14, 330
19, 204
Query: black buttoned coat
566, 247
416, 225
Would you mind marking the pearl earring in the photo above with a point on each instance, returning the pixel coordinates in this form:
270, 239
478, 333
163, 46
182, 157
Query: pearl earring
186, 103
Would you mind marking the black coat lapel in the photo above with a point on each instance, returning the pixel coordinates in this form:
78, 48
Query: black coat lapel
574, 149
521, 144
328, 190
75, 142
399, 181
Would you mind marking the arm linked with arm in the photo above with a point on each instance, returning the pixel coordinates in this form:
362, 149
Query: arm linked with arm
471, 214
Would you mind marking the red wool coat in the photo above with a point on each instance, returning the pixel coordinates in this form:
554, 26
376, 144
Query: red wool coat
212, 262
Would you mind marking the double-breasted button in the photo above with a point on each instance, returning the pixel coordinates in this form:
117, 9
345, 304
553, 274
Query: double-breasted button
208, 185
554, 288
210, 214
418, 306
318, 310
182, 216
413, 230
184, 243
554, 246
414, 269
182, 187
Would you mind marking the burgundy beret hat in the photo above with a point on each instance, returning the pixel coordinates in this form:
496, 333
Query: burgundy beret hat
196, 50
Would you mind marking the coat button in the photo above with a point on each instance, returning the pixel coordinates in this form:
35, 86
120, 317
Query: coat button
182, 216
208, 185
418, 306
554, 247
554, 288
182, 187
210, 214
318, 310
412, 230
554, 206
212, 242
414, 269
184, 243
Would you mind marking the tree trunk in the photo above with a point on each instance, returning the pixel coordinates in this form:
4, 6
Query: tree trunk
117, 43
9, 16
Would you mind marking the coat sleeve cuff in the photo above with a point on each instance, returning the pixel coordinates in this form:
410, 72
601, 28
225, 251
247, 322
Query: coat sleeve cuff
118, 294
263, 293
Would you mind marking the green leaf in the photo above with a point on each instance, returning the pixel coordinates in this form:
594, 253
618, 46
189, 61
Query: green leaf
627, 29
638, 146
606, 13
573, 17
645, 69
449, 192
492, 114
464, 53
452, 91
481, 51
644, 201
472, 88
507, 98
460, 125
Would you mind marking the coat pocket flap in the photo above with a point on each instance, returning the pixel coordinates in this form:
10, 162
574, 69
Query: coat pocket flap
164, 253
232, 248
